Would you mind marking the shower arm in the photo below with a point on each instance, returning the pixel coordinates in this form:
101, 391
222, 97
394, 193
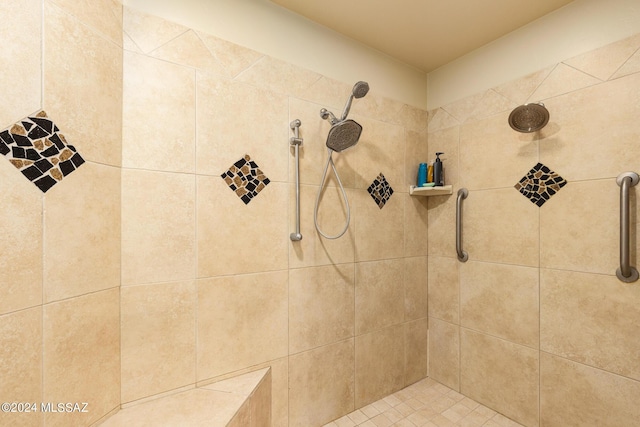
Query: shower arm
296, 142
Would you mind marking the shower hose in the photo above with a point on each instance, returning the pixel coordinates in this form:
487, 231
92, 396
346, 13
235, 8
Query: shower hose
344, 196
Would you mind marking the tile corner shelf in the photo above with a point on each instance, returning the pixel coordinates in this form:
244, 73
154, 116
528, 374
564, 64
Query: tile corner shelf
430, 191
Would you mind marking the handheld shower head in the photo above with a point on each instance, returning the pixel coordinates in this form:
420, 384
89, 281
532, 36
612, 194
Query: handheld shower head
359, 90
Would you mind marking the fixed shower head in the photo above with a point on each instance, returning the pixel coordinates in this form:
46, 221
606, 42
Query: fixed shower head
529, 117
359, 90
343, 135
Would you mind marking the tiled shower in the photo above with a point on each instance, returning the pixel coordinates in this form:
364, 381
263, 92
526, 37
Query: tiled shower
162, 260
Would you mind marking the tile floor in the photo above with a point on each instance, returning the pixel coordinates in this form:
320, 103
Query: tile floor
426, 403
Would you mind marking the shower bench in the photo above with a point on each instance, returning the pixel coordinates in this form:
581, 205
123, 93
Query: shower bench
241, 401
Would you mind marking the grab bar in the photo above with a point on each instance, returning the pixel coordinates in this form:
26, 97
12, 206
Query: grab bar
462, 255
626, 273
296, 141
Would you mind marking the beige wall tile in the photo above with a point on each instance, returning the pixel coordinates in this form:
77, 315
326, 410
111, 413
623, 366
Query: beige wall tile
279, 76
444, 289
444, 353
580, 229
603, 62
492, 104
631, 66
22, 46
158, 338
321, 306
314, 249
149, 32
415, 225
379, 232
591, 319
501, 375
575, 394
189, 50
321, 384
88, 107
103, 16
158, 92
416, 293
234, 58
594, 131
462, 109
158, 227
21, 243
440, 119
381, 149
413, 119
442, 226
242, 321
563, 79
234, 238
416, 152
500, 300
82, 242
379, 295
501, 226
416, 350
21, 365
234, 119
82, 356
379, 364
520, 89
484, 144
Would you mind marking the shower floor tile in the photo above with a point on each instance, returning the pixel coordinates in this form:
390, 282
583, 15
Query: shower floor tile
426, 403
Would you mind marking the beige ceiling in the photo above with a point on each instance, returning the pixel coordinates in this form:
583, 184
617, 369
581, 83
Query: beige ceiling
423, 33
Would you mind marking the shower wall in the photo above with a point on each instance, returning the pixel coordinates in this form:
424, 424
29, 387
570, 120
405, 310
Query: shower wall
145, 272
536, 325
211, 284
60, 275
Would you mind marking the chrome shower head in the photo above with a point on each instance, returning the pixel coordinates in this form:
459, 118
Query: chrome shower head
343, 135
529, 117
359, 90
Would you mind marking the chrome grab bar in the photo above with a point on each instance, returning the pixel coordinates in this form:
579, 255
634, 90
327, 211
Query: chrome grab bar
296, 141
462, 255
626, 273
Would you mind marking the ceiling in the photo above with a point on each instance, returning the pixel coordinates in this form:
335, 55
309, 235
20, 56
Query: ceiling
423, 33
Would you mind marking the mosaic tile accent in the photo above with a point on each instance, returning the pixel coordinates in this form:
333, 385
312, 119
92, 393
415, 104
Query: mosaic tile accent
245, 178
36, 148
539, 184
380, 190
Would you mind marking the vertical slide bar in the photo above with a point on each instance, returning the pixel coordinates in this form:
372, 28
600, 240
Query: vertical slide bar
626, 273
462, 255
296, 141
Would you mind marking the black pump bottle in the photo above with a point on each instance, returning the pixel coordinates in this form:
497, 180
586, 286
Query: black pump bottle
438, 175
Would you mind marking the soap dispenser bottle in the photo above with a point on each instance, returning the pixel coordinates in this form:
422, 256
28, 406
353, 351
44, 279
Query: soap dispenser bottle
438, 173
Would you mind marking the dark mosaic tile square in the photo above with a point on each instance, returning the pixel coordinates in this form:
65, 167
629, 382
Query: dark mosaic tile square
35, 147
380, 190
245, 179
539, 184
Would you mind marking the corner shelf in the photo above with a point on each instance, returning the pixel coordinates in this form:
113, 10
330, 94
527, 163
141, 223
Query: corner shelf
430, 191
